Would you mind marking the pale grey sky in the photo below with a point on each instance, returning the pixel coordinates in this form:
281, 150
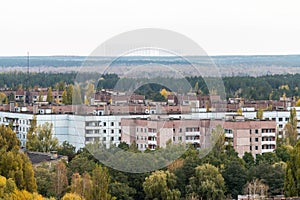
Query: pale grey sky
221, 27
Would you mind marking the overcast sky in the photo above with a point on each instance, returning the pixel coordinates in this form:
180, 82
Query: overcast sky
71, 27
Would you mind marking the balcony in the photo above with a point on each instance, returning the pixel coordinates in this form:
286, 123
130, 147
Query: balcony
92, 127
267, 150
192, 141
152, 142
268, 142
229, 135
271, 134
192, 133
152, 134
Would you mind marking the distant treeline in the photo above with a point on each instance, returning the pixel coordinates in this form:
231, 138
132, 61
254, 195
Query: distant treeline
227, 61
258, 88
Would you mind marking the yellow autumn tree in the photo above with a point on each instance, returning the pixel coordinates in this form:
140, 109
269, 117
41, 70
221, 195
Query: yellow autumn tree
72, 196
298, 103
164, 93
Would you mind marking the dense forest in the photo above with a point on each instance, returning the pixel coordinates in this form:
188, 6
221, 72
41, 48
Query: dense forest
256, 88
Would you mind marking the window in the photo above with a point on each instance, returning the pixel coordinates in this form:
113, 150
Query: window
141, 129
256, 131
120, 131
112, 139
256, 147
250, 131
173, 139
104, 131
112, 131
96, 131
104, 138
256, 139
180, 130
250, 148
112, 123
179, 138
250, 139
104, 123
280, 119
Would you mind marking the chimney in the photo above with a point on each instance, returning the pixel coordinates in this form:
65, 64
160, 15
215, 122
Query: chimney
11, 106
35, 109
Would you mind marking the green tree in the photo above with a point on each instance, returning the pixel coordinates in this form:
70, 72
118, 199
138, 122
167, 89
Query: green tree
49, 95
235, 176
292, 177
249, 159
101, 180
291, 128
42, 140
208, 183
160, 185
122, 191
67, 149
218, 140
44, 174
271, 175
283, 152
80, 164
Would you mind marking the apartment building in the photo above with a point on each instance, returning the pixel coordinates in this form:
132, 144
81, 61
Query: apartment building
156, 131
254, 136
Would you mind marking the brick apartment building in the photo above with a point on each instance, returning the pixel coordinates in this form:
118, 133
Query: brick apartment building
255, 136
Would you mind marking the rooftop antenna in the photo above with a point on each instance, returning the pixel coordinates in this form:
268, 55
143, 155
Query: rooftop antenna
28, 70
27, 81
